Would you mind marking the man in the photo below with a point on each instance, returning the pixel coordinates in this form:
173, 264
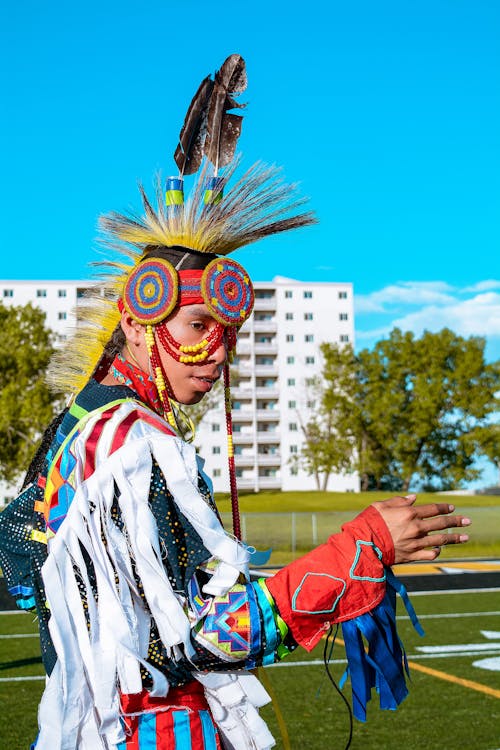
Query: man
149, 622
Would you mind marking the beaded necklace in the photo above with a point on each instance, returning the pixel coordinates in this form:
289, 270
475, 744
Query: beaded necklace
126, 373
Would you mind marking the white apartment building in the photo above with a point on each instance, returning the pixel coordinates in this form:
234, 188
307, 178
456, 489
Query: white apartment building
58, 299
278, 357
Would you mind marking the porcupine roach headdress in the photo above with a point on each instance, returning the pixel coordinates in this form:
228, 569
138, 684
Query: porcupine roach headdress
176, 253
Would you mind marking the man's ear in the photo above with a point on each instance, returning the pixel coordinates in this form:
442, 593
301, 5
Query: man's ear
134, 331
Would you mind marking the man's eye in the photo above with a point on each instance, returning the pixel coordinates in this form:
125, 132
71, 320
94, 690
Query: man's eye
197, 326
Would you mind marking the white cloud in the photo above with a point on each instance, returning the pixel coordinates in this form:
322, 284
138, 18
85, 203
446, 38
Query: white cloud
483, 286
405, 293
464, 310
477, 316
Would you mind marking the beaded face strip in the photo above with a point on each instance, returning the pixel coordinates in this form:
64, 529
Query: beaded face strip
194, 353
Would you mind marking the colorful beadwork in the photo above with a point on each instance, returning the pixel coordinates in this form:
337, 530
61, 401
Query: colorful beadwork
151, 291
227, 291
228, 630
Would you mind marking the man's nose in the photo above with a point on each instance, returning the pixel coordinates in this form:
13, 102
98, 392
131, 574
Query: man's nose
219, 356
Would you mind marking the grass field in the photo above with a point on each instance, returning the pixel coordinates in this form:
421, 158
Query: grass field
315, 502
454, 703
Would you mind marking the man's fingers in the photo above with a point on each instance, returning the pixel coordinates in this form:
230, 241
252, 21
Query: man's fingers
445, 522
434, 509
440, 540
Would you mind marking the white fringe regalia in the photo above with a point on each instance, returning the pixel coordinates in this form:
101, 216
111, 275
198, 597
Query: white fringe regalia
80, 707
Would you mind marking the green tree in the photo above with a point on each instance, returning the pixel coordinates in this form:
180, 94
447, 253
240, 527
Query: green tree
26, 404
329, 439
412, 407
487, 443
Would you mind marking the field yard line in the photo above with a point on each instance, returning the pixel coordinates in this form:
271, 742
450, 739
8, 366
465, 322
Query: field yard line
454, 591
20, 635
444, 616
457, 680
320, 662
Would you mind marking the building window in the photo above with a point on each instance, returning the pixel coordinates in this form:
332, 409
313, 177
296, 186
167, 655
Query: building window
342, 295
292, 404
289, 316
308, 316
61, 293
8, 292
236, 428
290, 360
308, 295
290, 381
309, 360
292, 426
294, 449
310, 382
309, 338
311, 404
62, 316
294, 471
216, 450
289, 337
343, 316
216, 473
215, 427
344, 338
41, 292
288, 294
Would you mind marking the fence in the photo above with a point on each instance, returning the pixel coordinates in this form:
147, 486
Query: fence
291, 534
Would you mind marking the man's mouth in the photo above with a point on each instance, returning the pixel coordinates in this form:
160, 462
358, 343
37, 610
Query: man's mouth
206, 381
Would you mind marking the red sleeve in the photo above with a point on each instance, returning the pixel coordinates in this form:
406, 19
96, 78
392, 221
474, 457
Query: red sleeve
337, 581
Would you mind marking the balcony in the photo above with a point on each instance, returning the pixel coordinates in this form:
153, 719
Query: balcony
245, 367
243, 438
263, 348
270, 459
268, 415
245, 484
243, 347
267, 392
243, 415
269, 483
268, 303
265, 326
263, 370
244, 393
241, 461
267, 436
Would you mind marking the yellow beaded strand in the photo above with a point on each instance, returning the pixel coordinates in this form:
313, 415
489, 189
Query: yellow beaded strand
194, 347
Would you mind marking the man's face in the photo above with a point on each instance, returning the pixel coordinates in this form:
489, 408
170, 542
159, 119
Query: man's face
190, 382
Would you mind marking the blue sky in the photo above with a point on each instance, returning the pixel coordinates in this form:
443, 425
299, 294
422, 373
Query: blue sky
387, 113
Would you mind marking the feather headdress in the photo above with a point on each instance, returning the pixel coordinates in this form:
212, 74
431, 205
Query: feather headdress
259, 204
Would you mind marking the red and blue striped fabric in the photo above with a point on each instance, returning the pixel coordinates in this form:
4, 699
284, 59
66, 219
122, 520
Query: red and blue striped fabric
181, 721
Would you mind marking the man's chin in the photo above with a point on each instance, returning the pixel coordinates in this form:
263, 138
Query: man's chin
191, 400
